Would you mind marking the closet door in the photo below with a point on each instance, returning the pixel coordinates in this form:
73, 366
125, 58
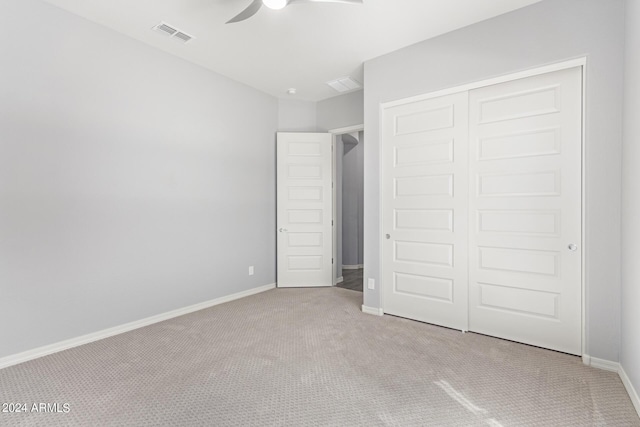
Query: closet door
525, 244
425, 183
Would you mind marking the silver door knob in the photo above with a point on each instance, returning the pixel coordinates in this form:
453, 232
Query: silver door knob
572, 247
282, 230
388, 236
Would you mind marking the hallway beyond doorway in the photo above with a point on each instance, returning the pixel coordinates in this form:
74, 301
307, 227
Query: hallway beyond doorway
352, 280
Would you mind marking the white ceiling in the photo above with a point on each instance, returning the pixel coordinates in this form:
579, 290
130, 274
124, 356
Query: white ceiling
301, 46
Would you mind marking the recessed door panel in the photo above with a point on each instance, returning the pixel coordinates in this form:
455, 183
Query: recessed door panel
517, 104
305, 263
305, 171
533, 222
307, 216
520, 144
304, 240
424, 253
430, 185
544, 183
423, 220
304, 149
429, 152
519, 301
428, 287
309, 194
517, 260
420, 120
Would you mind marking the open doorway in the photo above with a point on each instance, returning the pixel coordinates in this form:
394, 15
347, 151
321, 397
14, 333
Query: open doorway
349, 203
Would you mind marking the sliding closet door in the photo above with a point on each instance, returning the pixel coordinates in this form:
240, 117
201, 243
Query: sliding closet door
425, 183
525, 210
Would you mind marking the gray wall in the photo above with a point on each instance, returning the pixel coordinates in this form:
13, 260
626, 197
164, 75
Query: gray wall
131, 182
338, 187
546, 32
340, 111
361, 198
352, 200
335, 113
296, 115
630, 354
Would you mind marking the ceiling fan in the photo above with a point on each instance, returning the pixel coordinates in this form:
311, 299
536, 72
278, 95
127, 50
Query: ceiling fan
255, 6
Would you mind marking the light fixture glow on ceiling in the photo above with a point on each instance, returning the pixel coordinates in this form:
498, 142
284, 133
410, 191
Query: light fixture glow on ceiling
275, 4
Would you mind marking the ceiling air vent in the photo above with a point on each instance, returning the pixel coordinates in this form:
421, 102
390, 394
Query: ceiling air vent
182, 36
172, 32
344, 84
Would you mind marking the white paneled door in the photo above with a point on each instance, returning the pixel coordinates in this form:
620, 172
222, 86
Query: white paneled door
425, 182
304, 209
525, 210
482, 210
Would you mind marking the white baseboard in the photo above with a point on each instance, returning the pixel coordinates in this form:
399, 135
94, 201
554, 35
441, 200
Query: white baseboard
633, 394
372, 310
352, 267
606, 365
105, 333
340, 279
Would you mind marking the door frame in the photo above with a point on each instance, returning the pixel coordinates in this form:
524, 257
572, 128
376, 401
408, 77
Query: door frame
563, 65
334, 153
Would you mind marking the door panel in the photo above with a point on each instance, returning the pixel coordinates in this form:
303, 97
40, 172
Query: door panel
304, 210
425, 210
525, 210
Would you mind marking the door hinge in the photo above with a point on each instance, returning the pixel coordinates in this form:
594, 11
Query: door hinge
332, 223
331, 260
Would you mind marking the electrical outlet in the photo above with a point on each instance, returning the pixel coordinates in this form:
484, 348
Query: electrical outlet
371, 284
251, 270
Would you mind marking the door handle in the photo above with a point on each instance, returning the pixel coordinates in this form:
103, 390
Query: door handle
572, 247
282, 230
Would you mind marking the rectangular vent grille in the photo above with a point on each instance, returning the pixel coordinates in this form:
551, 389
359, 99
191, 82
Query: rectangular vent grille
172, 32
344, 84
182, 36
166, 29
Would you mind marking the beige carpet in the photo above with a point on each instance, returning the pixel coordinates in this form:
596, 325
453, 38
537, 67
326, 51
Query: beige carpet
300, 357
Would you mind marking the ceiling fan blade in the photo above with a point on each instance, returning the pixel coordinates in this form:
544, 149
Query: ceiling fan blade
327, 1
251, 10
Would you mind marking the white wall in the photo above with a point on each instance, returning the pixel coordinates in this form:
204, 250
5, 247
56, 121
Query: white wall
630, 348
341, 111
296, 115
131, 182
546, 32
